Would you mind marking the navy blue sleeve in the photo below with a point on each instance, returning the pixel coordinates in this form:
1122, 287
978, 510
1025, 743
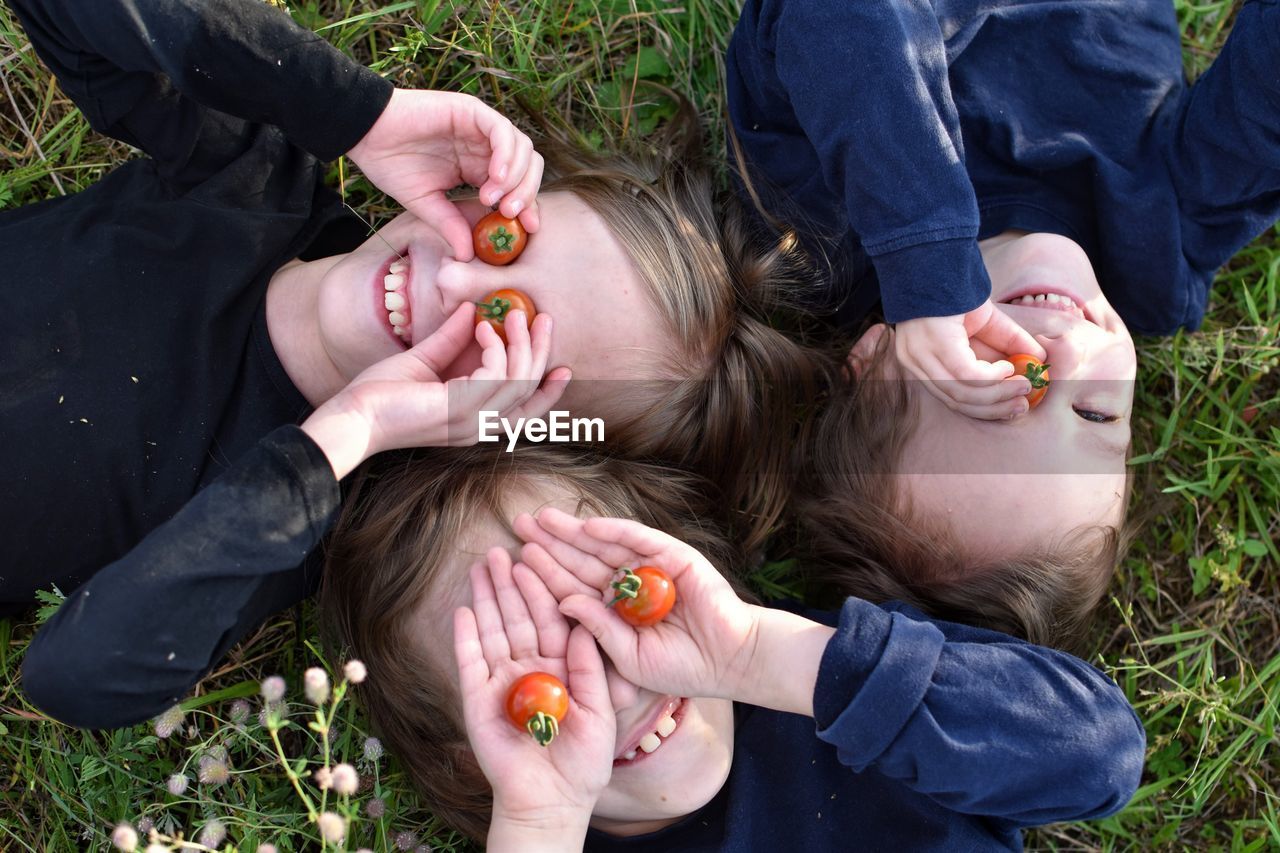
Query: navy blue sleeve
144, 70
865, 86
978, 721
135, 638
1224, 150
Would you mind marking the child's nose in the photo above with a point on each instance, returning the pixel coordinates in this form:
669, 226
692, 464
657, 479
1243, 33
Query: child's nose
466, 282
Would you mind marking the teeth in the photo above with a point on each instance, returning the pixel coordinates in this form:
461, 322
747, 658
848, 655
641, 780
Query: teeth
393, 282
398, 319
666, 725
1052, 297
650, 742
393, 301
1039, 297
398, 266
399, 330
630, 755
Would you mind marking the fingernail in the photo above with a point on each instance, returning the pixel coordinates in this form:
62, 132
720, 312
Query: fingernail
516, 207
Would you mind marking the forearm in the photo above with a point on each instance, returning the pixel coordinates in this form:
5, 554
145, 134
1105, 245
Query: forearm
784, 668
558, 831
241, 57
136, 637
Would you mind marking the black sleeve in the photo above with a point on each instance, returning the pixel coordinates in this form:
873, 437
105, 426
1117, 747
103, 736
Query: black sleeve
134, 639
147, 71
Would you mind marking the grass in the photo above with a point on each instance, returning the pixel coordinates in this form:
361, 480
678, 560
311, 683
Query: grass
1192, 632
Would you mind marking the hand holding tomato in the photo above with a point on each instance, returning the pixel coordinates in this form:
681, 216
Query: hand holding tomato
402, 401
937, 352
701, 648
513, 634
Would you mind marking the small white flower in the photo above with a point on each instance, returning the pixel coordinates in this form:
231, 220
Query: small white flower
125, 838
372, 749
316, 684
355, 671
333, 827
266, 848
177, 784
168, 722
324, 778
273, 689
345, 779
213, 834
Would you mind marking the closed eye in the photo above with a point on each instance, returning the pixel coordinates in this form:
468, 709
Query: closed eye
1095, 417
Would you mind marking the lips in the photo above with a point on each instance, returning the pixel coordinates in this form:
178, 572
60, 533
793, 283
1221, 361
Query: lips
1049, 299
639, 743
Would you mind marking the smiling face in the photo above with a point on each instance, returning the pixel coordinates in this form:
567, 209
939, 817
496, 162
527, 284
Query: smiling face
1010, 487
575, 270
672, 753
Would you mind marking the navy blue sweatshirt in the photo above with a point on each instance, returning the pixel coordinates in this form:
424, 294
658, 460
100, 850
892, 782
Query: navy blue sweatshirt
929, 736
894, 135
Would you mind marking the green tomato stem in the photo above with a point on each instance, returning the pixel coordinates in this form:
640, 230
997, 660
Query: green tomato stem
543, 727
628, 586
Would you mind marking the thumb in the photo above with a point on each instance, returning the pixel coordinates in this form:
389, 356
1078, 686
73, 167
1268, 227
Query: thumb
439, 213
1001, 332
587, 683
616, 637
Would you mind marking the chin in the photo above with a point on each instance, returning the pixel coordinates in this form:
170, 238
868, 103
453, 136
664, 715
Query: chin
668, 786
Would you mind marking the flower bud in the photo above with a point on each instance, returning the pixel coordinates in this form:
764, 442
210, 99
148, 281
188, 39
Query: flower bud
316, 684
177, 784
213, 834
355, 671
372, 749
333, 827
125, 838
168, 722
345, 780
273, 689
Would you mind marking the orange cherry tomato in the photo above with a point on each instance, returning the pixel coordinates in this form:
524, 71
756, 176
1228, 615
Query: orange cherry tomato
498, 240
495, 307
538, 701
645, 596
1035, 370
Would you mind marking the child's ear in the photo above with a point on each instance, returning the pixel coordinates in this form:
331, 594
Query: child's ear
864, 351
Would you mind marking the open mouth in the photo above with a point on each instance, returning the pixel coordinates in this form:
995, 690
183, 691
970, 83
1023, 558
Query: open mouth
1053, 301
395, 300
649, 742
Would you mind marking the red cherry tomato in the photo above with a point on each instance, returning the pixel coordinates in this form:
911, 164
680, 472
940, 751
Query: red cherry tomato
645, 596
495, 307
1035, 370
498, 240
538, 701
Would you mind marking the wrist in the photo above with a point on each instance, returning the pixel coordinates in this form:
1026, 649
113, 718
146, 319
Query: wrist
543, 830
783, 671
342, 432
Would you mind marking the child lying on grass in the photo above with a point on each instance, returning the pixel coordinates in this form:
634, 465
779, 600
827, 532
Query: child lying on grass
727, 726
976, 168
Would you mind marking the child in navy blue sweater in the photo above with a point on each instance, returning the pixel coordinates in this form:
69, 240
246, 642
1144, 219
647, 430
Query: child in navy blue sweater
1002, 178
728, 726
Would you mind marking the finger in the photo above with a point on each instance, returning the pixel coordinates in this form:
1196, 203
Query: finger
540, 343
958, 362
559, 578
587, 682
473, 672
982, 395
519, 346
493, 354
552, 629
504, 140
571, 531
443, 346
439, 213
546, 396
1003, 333
522, 634
632, 535
616, 637
997, 411
521, 155
484, 603
523, 199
